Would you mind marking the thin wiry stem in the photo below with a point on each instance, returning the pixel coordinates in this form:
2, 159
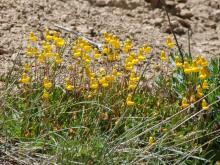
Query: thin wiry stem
171, 28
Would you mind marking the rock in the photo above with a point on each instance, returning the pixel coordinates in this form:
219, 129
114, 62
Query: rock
216, 15
166, 28
182, 1
210, 24
187, 14
174, 24
157, 21
100, 3
125, 4
181, 6
170, 4
154, 3
3, 51
83, 29
179, 30
185, 23
6, 26
214, 4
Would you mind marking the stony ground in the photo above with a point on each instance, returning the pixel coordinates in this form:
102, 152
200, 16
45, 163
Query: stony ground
134, 18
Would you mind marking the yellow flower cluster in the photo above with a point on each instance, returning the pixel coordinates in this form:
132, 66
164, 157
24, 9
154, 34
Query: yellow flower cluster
198, 68
199, 65
88, 69
47, 85
25, 78
68, 86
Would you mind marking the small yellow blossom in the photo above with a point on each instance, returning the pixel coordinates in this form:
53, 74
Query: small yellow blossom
204, 105
178, 62
68, 86
146, 49
32, 37
205, 85
59, 42
58, 59
199, 91
192, 99
169, 42
163, 56
184, 103
46, 83
27, 67
128, 100
25, 79
94, 85
45, 95
29, 51
97, 55
151, 141
41, 58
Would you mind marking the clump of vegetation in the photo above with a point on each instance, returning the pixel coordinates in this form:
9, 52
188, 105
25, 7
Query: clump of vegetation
86, 104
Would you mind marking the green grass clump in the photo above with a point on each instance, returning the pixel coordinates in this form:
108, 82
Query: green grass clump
79, 103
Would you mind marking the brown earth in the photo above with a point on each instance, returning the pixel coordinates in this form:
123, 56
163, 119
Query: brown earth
134, 18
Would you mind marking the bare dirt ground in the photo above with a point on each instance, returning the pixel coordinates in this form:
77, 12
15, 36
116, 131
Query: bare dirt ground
134, 18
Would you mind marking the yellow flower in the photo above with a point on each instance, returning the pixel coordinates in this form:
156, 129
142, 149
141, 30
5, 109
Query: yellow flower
27, 67
163, 56
41, 58
25, 79
87, 48
184, 103
103, 81
178, 63
94, 85
45, 95
204, 63
169, 42
58, 59
105, 50
151, 141
29, 51
127, 46
204, 105
187, 68
77, 54
68, 85
46, 83
115, 43
203, 73
128, 100
202, 76
194, 69
105, 85
141, 58
146, 49
59, 42
205, 85
48, 37
199, 91
32, 37
218, 162
97, 55
192, 99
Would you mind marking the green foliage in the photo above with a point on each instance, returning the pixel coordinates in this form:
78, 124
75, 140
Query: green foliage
116, 123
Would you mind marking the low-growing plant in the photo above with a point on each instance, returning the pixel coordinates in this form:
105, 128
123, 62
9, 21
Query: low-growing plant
85, 103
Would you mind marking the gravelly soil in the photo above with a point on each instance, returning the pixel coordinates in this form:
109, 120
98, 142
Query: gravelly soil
134, 18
